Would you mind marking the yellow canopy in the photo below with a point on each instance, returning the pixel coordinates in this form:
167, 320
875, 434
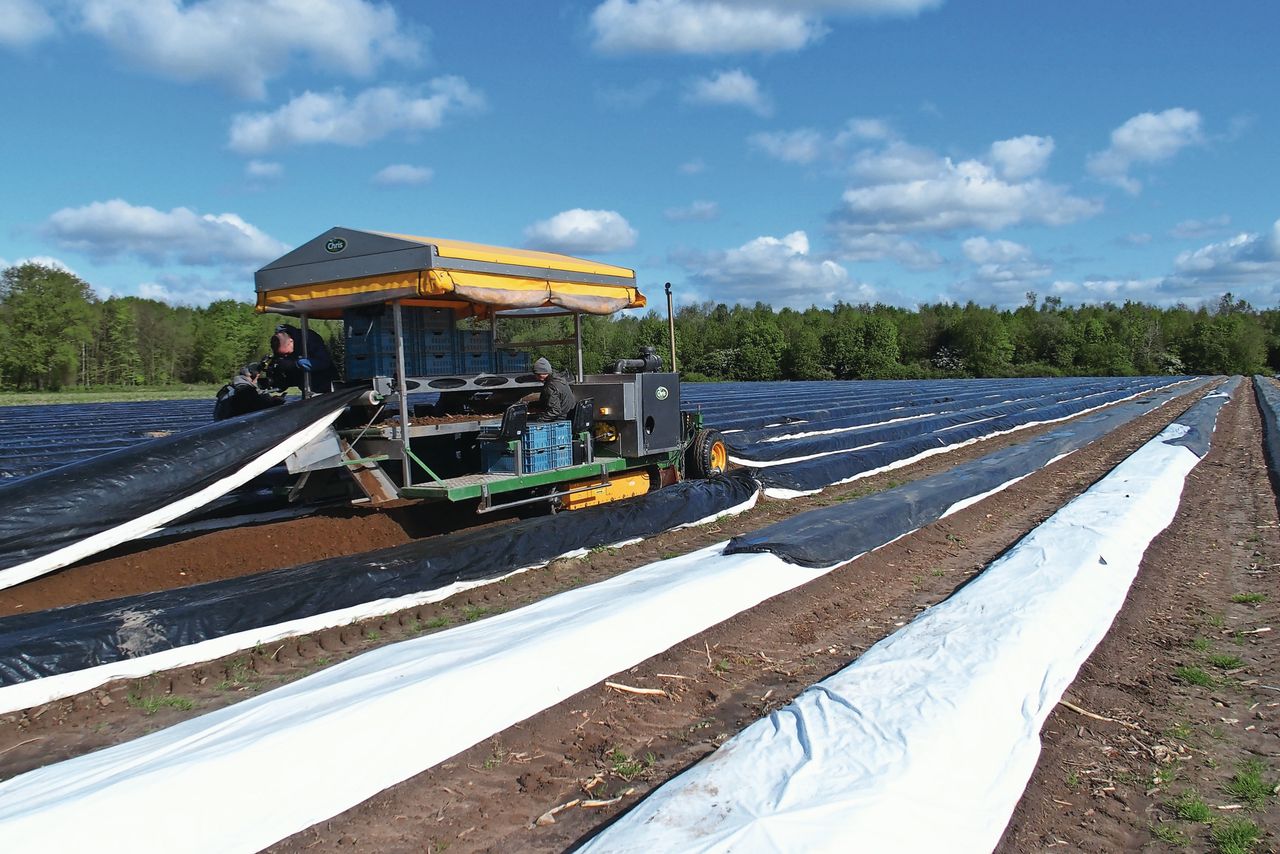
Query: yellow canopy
343, 268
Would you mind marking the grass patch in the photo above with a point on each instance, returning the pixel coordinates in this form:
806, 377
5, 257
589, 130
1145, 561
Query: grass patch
1249, 598
1180, 731
1194, 676
471, 613
1191, 807
629, 767
109, 395
722, 666
1073, 780
1168, 833
1226, 662
1216, 620
153, 703
1249, 784
373, 635
1235, 835
1200, 644
436, 623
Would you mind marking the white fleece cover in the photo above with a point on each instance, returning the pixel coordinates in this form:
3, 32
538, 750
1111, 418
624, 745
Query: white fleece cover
23, 695
334, 739
927, 741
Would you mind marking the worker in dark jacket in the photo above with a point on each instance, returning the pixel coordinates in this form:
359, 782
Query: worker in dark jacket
287, 365
242, 395
555, 401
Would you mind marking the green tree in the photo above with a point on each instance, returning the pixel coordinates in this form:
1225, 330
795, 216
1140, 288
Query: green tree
46, 317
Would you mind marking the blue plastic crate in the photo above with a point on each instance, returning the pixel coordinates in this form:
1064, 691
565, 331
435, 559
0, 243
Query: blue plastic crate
475, 363
473, 342
536, 460
431, 318
436, 341
561, 456
512, 362
538, 436
435, 364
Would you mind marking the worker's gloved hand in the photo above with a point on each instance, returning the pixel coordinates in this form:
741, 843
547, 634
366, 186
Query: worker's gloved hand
305, 364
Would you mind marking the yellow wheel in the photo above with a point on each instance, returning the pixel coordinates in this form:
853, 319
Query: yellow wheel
708, 455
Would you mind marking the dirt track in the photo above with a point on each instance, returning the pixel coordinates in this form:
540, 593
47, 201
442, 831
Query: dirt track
1095, 788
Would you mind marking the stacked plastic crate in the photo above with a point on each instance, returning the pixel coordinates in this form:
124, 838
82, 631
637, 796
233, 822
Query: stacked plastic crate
474, 354
371, 342
433, 331
547, 446
512, 362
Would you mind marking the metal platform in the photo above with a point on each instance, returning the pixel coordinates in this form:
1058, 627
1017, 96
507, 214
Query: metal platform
480, 485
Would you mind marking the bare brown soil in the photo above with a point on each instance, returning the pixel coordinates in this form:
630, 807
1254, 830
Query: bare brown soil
1096, 788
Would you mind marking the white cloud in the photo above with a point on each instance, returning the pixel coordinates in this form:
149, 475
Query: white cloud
879, 247
1248, 259
980, 250
579, 230
864, 129
899, 188
727, 26
629, 97
263, 169
730, 88
808, 145
802, 146
403, 175
777, 270
23, 23
42, 260
1144, 139
896, 162
1140, 238
191, 290
1197, 229
1022, 156
313, 117
1247, 265
1003, 272
699, 211
245, 43
1100, 289
693, 167
908, 190
110, 229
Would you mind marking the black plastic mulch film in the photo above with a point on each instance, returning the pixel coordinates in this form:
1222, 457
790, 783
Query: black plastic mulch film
817, 473
51, 510
839, 533
915, 420
1268, 395
64, 640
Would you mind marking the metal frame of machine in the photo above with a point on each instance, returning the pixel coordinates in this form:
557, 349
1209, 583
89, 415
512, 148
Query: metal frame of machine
639, 429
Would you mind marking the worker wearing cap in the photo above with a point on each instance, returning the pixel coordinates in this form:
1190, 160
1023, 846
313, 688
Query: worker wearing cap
555, 401
287, 364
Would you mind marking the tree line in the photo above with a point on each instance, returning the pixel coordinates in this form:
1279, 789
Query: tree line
56, 333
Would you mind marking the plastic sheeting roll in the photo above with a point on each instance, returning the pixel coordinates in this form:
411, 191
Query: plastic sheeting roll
55, 518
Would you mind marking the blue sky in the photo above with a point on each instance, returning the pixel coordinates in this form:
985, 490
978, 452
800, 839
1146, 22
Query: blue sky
791, 151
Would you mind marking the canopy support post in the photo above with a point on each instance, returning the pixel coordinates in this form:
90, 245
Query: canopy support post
402, 392
577, 339
306, 375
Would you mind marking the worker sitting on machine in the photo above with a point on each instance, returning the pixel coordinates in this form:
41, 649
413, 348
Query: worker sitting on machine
286, 365
555, 401
242, 395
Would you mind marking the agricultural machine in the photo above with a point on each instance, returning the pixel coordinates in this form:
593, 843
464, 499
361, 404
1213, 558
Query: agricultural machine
445, 416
